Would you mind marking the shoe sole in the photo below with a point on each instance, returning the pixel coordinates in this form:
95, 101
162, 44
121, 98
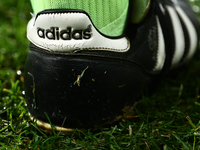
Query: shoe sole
46, 127
85, 90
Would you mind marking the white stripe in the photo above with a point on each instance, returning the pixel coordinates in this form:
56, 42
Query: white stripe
191, 31
178, 35
161, 49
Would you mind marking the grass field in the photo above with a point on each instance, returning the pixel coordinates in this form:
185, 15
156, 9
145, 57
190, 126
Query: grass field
168, 119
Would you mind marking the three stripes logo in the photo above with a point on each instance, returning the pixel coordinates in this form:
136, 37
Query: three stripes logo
184, 35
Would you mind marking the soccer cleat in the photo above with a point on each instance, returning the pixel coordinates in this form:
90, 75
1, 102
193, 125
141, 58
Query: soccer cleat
80, 76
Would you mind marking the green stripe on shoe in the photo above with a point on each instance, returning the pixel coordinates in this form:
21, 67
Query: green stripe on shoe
109, 16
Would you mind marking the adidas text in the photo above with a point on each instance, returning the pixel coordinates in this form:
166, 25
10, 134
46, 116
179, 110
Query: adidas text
54, 33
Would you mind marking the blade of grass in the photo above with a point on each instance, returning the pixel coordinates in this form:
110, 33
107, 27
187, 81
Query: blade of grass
179, 139
39, 130
52, 127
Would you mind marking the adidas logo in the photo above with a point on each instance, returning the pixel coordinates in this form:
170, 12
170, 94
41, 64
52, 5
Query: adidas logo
54, 33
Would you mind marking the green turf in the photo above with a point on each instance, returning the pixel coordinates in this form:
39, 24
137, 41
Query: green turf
168, 119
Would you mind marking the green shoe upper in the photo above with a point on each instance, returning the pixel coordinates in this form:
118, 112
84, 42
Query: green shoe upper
139, 9
109, 16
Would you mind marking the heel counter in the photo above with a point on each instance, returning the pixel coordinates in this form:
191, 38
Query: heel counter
70, 31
